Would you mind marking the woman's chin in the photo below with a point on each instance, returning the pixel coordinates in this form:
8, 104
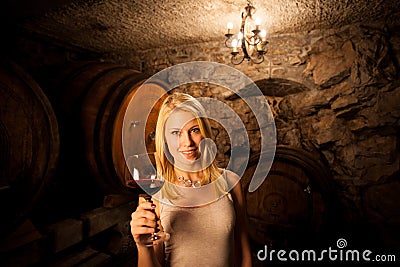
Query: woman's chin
187, 163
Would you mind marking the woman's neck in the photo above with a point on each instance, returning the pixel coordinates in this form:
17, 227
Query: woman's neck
198, 175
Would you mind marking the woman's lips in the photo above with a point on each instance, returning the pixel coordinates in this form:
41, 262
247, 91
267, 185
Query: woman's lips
189, 153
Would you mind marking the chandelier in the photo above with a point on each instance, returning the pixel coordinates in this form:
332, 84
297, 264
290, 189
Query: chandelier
250, 43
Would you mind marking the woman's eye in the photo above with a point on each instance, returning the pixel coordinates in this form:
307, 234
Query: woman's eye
175, 132
195, 130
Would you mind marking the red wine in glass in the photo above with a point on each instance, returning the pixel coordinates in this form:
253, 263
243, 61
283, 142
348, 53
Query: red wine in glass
144, 185
143, 180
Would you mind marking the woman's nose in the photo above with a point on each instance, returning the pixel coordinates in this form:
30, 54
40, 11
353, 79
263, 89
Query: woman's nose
185, 139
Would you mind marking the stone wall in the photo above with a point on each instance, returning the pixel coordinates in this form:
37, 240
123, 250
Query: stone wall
336, 93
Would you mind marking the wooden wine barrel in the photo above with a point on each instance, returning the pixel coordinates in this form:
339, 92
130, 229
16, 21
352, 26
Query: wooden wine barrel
29, 144
96, 97
296, 204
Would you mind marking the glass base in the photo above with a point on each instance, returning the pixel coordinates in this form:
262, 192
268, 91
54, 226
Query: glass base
152, 239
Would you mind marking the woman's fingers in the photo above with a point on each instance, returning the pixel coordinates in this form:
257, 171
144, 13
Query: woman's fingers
145, 210
143, 200
143, 220
146, 206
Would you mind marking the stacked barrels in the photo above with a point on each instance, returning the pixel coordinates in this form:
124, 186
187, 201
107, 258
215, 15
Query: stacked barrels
61, 147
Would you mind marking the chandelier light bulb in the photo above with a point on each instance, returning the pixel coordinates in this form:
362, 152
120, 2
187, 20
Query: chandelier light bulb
234, 45
234, 42
263, 35
257, 22
230, 27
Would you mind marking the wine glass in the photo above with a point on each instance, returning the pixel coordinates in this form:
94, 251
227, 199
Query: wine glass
142, 178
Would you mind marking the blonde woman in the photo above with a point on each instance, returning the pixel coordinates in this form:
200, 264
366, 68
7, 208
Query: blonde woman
201, 206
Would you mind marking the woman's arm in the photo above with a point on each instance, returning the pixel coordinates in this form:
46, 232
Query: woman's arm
144, 221
242, 244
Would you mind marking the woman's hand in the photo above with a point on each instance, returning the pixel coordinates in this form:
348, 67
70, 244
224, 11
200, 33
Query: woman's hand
143, 220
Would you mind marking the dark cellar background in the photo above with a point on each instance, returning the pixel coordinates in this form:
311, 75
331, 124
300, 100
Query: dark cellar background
331, 77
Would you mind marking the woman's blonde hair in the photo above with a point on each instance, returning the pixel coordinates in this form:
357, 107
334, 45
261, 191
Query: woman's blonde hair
164, 161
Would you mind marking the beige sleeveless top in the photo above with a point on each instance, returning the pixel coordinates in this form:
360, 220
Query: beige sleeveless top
199, 236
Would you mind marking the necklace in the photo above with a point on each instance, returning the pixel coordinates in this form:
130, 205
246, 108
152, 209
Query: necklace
188, 182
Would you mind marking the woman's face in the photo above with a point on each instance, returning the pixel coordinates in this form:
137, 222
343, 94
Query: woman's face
183, 136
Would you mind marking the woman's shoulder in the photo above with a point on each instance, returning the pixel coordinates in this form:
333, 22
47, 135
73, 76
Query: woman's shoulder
231, 177
227, 171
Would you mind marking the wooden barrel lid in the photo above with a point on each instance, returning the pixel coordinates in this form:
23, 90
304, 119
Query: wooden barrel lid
96, 97
296, 203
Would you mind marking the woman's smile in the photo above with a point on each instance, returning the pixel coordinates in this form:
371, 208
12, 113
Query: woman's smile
190, 154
